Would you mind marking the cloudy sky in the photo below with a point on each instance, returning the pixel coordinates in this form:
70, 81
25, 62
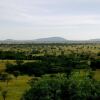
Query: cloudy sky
31, 19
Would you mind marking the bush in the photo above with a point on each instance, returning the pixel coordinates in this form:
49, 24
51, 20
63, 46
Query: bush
58, 87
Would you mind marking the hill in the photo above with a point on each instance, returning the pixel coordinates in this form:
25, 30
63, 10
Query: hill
48, 40
51, 40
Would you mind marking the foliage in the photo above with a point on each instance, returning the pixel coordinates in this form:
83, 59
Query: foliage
38, 60
4, 94
58, 87
16, 73
5, 77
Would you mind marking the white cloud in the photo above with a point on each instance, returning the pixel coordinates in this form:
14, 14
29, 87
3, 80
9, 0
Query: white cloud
42, 18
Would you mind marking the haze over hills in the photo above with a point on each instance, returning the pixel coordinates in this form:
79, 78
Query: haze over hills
95, 39
48, 40
51, 39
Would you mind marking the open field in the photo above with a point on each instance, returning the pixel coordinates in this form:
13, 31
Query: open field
15, 87
76, 60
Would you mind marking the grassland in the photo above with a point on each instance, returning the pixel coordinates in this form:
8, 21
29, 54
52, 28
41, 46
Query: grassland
16, 87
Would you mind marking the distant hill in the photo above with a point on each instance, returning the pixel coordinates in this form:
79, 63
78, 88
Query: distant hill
51, 40
48, 40
95, 40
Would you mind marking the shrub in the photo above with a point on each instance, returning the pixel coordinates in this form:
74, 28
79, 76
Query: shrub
59, 87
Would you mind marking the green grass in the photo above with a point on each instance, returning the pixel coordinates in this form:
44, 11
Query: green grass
15, 87
97, 74
4, 62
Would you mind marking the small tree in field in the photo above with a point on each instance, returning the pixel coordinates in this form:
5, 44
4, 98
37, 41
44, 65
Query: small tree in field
4, 94
6, 77
16, 73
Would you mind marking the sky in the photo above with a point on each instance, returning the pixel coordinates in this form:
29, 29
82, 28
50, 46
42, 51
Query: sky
32, 19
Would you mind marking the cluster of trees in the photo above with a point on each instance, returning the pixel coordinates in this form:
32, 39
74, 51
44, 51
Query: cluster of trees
50, 59
12, 55
24, 52
52, 64
39, 68
59, 87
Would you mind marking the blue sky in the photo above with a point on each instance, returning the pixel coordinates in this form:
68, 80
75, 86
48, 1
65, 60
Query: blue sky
31, 19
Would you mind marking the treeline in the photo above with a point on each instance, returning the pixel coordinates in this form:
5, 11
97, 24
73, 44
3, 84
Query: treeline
36, 68
51, 58
51, 65
11, 55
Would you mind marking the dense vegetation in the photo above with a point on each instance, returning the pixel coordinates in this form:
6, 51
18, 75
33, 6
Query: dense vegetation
58, 87
43, 62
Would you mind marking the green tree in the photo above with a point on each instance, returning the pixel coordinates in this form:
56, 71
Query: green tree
6, 77
4, 94
58, 87
16, 73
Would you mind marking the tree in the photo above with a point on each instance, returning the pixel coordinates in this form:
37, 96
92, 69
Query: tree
4, 94
16, 73
45, 88
58, 87
19, 62
6, 77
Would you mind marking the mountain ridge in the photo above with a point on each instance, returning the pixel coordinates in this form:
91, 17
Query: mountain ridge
48, 40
